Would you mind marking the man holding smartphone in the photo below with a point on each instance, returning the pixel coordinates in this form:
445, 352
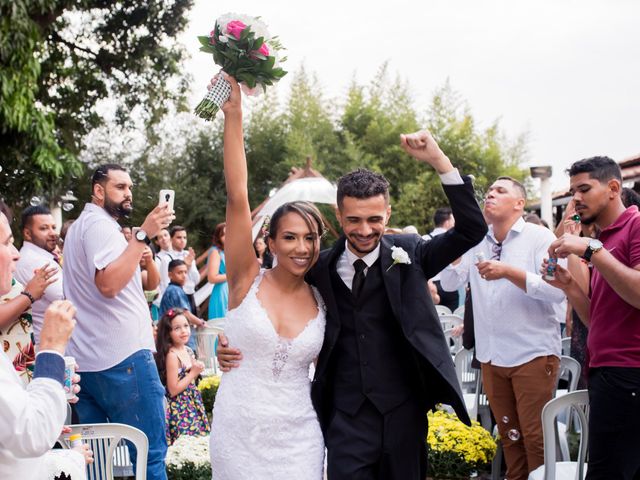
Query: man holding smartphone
113, 340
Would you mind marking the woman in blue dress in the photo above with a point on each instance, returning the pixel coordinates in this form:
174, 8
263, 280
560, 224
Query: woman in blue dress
217, 275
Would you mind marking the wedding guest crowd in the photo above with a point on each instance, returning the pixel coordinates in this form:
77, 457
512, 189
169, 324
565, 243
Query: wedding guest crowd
105, 270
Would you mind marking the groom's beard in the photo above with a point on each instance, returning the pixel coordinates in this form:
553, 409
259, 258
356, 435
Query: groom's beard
354, 246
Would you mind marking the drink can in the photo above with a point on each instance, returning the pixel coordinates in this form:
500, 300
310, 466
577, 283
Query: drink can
480, 257
69, 371
551, 268
75, 440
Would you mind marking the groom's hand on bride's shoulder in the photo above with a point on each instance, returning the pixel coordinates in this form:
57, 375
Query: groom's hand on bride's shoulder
422, 146
228, 357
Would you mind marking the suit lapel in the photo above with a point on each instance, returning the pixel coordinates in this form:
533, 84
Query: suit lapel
324, 279
391, 276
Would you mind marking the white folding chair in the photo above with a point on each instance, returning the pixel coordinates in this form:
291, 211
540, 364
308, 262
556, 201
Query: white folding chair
459, 311
578, 401
566, 346
442, 310
106, 440
448, 321
570, 370
454, 343
206, 341
467, 375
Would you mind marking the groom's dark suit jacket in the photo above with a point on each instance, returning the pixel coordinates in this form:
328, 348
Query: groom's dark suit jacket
411, 306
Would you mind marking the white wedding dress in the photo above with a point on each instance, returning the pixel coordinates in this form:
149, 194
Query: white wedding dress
264, 425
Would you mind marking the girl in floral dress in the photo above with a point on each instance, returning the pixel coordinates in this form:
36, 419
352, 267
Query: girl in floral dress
178, 371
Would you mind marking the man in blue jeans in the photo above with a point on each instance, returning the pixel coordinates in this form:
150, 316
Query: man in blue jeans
113, 340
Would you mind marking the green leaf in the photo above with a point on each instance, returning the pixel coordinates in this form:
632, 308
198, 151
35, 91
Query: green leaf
204, 41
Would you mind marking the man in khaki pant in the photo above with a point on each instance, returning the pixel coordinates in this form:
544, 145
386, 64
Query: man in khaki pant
517, 322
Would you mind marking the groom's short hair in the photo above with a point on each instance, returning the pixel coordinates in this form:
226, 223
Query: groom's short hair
362, 183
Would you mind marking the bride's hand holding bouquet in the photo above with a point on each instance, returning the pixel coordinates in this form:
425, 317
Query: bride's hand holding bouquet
245, 50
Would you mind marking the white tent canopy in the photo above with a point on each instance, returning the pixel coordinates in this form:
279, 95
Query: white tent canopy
311, 189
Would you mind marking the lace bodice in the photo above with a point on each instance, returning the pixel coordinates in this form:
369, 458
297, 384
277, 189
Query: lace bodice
267, 355
264, 425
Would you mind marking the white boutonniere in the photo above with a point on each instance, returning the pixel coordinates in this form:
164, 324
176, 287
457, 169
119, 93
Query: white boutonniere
399, 255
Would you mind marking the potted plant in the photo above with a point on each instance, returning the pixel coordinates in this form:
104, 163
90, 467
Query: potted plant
456, 451
188, 459
208, 387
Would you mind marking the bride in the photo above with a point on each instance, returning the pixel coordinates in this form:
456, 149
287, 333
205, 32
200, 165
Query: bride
264, 425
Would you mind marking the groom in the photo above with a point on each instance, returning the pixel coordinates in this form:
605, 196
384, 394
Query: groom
384, 361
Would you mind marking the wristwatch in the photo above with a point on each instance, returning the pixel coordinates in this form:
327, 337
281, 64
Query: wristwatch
142, 236
594, 246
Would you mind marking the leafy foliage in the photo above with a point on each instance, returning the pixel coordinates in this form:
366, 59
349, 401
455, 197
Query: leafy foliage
189, 471
59, 59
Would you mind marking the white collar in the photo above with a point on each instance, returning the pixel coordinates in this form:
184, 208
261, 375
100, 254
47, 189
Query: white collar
369, 258
517, 227
26, 246
92, 207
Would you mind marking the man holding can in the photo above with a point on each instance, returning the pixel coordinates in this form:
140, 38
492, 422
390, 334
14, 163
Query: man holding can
517, 322
612, 313
113, 340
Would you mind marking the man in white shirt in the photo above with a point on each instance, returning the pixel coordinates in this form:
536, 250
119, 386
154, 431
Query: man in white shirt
517, 322
40, 239
31, 417
113, 341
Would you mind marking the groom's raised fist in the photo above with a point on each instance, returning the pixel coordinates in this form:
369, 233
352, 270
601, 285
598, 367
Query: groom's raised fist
421, 146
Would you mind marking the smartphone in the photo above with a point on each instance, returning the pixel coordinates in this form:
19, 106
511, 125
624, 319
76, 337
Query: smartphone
167, 196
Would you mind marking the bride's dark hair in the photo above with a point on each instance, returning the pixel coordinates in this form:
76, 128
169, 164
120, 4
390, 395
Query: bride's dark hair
307, 210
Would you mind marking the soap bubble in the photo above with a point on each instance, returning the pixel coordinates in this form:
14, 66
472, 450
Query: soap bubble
35, 201
513, 435
505, 419
67, 207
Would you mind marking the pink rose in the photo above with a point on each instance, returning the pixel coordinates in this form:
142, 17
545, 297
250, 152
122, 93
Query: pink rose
235, 28
252, 92
212, 37
264, 50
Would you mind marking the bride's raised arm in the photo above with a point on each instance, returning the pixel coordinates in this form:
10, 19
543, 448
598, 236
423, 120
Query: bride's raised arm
241, 262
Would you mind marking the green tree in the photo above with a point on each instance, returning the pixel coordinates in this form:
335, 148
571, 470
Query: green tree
386, 111
310, 130
486, 154
58, 59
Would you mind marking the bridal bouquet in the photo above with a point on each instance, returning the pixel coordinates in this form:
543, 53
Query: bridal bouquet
245, 50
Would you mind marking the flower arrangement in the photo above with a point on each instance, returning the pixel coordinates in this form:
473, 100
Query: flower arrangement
456, 450
188, 459
208, 387
243, 47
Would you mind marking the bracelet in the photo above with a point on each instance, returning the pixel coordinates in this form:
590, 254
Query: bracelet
28, 295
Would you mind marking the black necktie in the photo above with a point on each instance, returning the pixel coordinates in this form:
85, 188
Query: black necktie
358, 278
